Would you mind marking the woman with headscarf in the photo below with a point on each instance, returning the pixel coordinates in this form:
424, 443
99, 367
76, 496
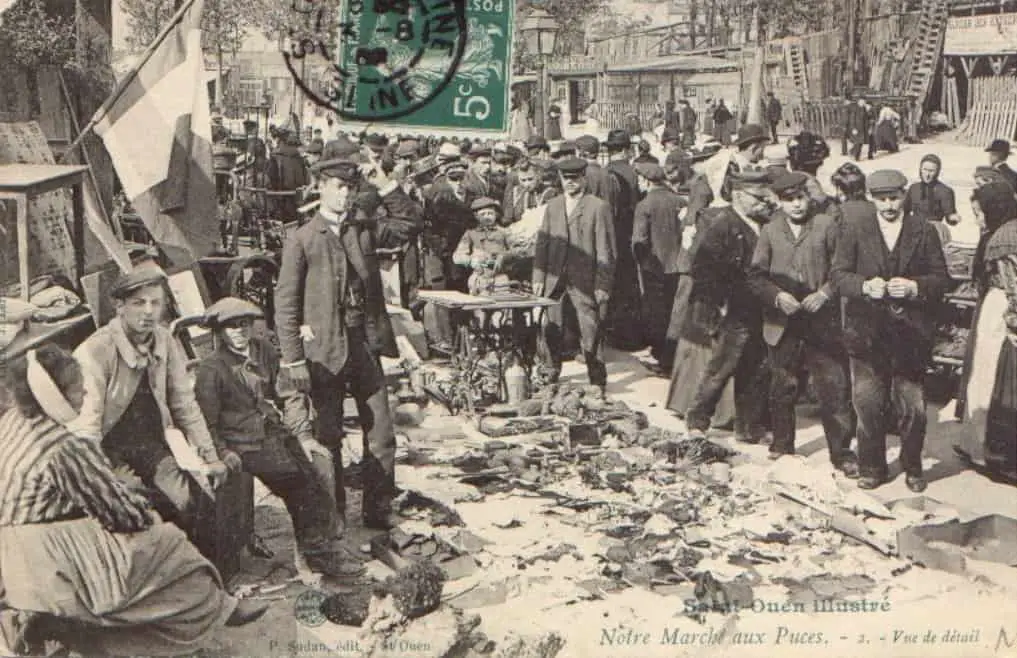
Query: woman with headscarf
989, 384
83, 559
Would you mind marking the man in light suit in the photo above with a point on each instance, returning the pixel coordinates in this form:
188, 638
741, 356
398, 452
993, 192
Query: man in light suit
574, 262
891, 270
331, 319
790, 275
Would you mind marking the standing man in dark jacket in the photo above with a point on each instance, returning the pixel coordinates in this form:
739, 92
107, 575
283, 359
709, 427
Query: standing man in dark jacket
859, 128
599, 182
774, 113
656, 241
801, 320
723, 306
574, 261
287, 172
891, 270
626, 328
332, 324
999, 151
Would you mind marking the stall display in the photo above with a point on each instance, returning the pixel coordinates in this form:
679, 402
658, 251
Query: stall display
957, 312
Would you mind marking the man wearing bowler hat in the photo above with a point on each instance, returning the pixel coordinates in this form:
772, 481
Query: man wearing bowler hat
890, 269
599, 182
999, 151
724, 310
240, 395
751, 142
626, 329
656, 240
331, 319
574, 262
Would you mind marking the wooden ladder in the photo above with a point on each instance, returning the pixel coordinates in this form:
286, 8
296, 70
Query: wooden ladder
926, 49
795, 59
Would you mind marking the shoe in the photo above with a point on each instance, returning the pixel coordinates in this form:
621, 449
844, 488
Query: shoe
849, 468
916, 483
246, 612
869, 482
334, 564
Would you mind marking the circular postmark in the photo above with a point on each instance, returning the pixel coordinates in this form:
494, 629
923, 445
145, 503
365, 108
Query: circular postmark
307, 608
372, 60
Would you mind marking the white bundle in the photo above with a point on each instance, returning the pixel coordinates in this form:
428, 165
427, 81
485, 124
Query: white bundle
524, 232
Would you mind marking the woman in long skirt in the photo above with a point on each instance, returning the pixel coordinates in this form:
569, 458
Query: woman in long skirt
989, 438
83, 560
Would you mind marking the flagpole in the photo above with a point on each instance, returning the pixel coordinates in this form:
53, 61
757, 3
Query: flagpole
129, 78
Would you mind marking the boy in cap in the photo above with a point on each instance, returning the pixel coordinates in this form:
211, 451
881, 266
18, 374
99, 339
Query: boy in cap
656, 240
482, 249
136, 389
999, 151
790, 276
723, 307
574, 261
240, 395
890, 269
331, 318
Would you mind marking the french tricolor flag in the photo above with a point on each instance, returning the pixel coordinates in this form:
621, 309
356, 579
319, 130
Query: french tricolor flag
157, 129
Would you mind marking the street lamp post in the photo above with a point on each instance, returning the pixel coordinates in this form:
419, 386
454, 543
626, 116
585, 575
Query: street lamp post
540, 31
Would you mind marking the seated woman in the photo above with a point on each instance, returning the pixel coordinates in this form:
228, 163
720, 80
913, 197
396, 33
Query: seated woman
82, 557
483, 249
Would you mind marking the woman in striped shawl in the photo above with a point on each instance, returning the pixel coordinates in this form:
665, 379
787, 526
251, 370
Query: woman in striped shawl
82, 557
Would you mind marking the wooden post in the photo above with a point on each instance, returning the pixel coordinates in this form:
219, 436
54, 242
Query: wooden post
78, 228
22, 210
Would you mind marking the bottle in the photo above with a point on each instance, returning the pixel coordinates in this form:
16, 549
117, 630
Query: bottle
517, 388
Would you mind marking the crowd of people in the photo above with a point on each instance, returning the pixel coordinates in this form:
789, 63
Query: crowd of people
744, 286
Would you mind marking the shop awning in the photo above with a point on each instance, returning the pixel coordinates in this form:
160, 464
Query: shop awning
677, 63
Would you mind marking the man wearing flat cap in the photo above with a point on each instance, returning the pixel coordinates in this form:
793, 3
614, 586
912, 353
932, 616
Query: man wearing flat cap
724, 309
999, 151
537, 147
137, 388
478, 178
574, 262
240, 395
890, 269
625, 328
790, 276
599, 182
656, 239
331, 319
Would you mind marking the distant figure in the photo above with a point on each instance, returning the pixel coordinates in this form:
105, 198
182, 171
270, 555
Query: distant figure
722, 123
884, 136
553, 123
773, 114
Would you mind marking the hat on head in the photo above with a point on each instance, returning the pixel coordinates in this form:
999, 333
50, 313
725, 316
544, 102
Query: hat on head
751, 133
504, 156
587, 144
339, 159
618, 138
650, 171
886, 180
536, 142
989, 173
564, 148
789, 182
454, 165
572, 166
478, 150
669, 135
484, 202
741, 180
776, 155
449, 151
425, 165
407, 148
231, 308
999, 146
145, 272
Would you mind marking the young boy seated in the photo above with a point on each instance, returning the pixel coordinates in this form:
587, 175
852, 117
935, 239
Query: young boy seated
483, 249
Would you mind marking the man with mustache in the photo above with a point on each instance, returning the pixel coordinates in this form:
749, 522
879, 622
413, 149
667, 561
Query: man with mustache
890, 268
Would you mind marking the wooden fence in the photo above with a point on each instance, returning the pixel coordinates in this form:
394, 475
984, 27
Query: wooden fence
992, 111
617, 115
828, 117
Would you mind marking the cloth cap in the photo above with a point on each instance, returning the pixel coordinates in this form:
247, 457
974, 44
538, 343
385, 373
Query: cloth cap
788, 182
572, 166
425, 164
751, 133
587, 144
886, 180
749, 178
536, 142
448, 151
999, 146
455, 165
650, 171
619, 137
407, 148
564, 148
145, 273
989, 173
479, 151
231, 308
504, 156
484, 202
376, 140
669, 135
